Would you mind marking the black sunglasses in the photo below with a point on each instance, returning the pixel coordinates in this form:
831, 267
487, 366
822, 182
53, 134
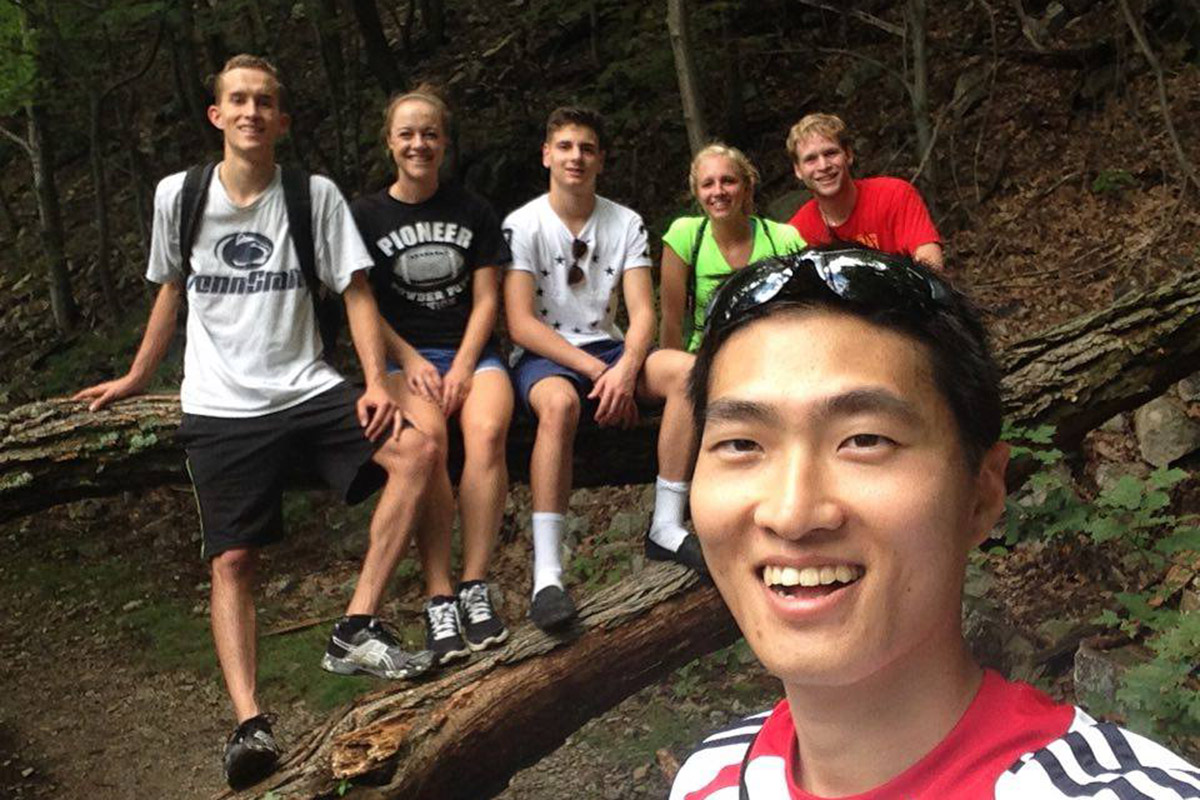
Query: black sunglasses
578, 250
859, 276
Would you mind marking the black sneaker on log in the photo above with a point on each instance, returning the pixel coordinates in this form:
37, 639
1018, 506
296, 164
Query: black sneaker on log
251, 753
481, 625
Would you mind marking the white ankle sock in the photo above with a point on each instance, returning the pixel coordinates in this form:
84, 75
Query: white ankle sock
670, 501
547, 550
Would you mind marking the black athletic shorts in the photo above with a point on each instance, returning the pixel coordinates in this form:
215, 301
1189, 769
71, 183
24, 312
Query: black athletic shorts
239, 465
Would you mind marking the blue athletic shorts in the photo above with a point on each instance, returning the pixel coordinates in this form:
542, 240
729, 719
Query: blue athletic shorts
443, 357
531, 368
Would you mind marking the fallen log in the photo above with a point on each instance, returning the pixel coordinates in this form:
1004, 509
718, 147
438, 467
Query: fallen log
463, 735
1073, 376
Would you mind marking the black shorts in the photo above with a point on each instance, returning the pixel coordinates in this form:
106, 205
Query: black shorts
239, 465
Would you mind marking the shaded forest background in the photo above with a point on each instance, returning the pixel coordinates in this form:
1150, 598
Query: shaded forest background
1054, 141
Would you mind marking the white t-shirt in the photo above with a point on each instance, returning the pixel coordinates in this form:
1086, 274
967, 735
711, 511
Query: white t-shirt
542, 245
252, 342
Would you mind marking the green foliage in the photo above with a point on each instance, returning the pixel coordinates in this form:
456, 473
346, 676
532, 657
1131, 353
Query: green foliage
16, 66
1161, 695
1112, 182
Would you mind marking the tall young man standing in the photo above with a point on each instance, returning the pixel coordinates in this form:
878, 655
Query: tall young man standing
848, 463
258, 395
572, 251
883, 213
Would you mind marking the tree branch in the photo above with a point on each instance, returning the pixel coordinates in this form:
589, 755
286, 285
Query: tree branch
1184, 163
18, 139
861, 16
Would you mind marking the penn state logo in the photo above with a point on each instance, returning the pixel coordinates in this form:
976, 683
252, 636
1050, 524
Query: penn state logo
245, 250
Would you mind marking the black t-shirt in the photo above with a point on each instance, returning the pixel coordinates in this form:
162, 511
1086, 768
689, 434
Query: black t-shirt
425, 254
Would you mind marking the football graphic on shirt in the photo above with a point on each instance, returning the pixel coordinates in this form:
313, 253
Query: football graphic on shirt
429, 266
244, 250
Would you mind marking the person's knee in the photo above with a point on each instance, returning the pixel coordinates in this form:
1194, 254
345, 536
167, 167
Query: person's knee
486, 438
558, 410
414, 452
234, 567
674, 371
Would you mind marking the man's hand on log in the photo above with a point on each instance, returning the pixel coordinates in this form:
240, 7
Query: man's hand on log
102, 394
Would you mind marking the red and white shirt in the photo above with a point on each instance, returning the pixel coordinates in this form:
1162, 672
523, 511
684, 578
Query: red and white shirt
1012, 743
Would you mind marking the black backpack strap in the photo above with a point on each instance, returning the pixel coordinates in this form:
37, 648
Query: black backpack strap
191, 210
298, 199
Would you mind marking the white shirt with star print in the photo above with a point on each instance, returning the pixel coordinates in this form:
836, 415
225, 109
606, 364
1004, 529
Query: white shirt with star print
542, 245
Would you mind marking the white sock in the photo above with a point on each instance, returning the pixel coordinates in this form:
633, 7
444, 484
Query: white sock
670, 501
547, 550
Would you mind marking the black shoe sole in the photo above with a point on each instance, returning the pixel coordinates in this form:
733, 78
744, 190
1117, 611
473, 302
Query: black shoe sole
452, 655
251, 769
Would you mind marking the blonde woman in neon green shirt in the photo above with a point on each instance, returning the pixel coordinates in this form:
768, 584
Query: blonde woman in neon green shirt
700, 252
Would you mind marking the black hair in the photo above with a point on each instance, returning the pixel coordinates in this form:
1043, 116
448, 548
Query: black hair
964, 371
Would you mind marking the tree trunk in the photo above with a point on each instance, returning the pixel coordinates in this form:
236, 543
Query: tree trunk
379, 54
58, 278
462, 736
916, 11
1074, 376
103, 246
183, 58
323, 14
11, 220
685, 71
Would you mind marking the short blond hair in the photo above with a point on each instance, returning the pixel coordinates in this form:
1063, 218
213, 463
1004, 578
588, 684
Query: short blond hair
830, 126
426, 93
745, 169
247, 61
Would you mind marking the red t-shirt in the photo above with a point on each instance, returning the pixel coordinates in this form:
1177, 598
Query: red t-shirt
1012, 743
888, 215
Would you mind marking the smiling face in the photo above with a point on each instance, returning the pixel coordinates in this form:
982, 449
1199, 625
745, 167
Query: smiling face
248, 112
417, 141
832, 498
721, 188
823, 165
574, 158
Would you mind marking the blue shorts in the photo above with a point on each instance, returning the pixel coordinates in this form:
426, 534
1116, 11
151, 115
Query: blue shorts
443, 357
531, 368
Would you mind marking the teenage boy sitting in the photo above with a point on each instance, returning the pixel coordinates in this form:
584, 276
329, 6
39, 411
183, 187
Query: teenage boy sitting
849, 412
572, 251
258, 395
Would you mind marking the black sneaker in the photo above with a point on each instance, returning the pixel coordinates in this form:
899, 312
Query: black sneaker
552, 608
688, 554
251, 753
372, 650
443, 630
482, 627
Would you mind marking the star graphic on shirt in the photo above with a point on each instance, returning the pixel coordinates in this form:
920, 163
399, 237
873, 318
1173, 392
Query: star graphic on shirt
610, 271
596, 324
544, 312
576, 330
559, 260
557, 325
540, 291
595, 258
545, 273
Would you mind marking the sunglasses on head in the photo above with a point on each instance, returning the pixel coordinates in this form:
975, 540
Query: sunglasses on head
859, 276
578, 250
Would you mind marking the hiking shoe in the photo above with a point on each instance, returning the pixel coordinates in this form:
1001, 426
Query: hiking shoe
251, 753
482, 627
372, 650
552, 608
443, 630
688, 554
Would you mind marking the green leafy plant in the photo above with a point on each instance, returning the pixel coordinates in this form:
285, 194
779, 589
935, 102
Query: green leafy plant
1161, 694
1112, 181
